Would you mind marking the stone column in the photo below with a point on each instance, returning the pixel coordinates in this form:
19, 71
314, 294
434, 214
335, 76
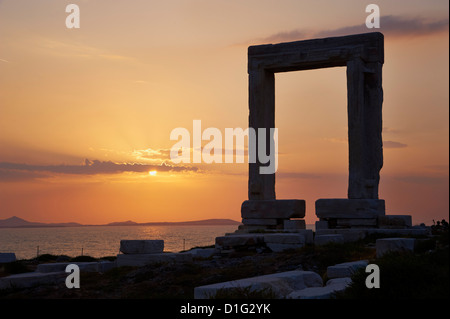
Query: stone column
262, 115
365, 99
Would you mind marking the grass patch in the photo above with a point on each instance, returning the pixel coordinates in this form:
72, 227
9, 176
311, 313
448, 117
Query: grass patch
335, 253
405, 276
83, 259
46, 258
423, 274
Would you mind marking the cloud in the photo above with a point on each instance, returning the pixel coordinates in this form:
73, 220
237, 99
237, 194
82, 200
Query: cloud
12, 175
76, 49
162, 154
393, 26
386, 144
286, 36
390, 25
390, 130
16, 171
423, 180
392, 144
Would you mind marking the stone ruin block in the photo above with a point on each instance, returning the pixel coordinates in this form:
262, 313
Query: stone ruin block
260, 221
349, 213
232, 241
273, 209
139, 260
7, 257
328, 238
272, 214
294, 224
275, 241
140, 246
345, 269
355, 222
321, 224
395, 221
349, 208
280, 284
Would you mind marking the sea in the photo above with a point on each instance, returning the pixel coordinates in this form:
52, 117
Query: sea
103, 241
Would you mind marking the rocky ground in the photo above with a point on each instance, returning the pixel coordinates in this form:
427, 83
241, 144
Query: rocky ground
429, 264
172, 280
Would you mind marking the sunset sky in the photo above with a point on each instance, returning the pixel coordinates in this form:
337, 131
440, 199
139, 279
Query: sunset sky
86, 114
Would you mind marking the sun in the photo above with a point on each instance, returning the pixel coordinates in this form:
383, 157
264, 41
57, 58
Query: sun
152, 173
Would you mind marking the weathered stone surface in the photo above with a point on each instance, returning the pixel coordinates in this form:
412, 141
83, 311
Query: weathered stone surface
260, 221
321, 224
275, 241
349, 208
201, 252
141, 246
386, 245
363, 55
294, 224
400, 232
394, 221
245, 229
139, 260
7, 257
239, 240
365, 144
326, 239
341, 281
283, 208
348, 234
281, 284
316, 53
327, 292
351, 235
312, 293
356, 222
31, 279
307, 233
285, 238
95, 266
285, 241
282, 247
345, 269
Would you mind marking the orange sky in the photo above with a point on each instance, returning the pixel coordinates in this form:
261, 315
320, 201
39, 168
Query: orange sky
112, 91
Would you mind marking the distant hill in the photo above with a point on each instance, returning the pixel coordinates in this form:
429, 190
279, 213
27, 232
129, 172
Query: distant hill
17, 222
127, 223
187, 223
197, 222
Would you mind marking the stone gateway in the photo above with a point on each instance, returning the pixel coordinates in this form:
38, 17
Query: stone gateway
363, 56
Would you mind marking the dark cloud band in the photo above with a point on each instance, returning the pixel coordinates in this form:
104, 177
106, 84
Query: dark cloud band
17, 171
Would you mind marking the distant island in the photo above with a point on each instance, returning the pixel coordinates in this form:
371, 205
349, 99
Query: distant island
17, 222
